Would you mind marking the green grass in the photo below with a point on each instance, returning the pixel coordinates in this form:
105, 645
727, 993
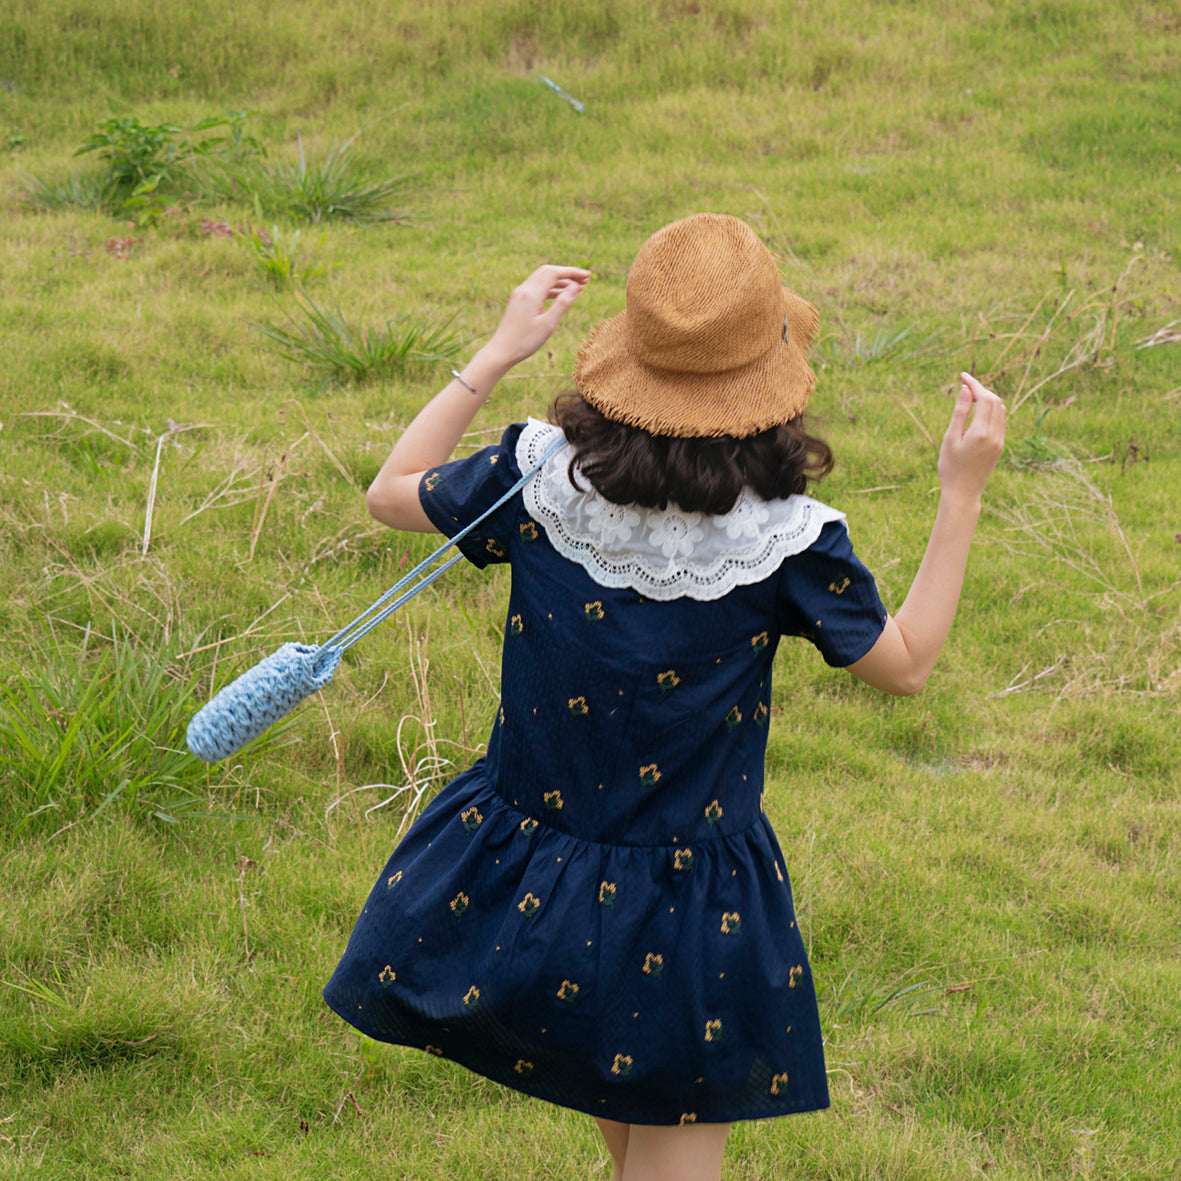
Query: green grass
993, 186
327, 190
323, 340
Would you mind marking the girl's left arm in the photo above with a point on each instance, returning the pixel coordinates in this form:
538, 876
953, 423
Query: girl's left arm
429, 440
905, 653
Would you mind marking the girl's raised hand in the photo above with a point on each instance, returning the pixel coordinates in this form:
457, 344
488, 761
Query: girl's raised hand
970, 449
527, 322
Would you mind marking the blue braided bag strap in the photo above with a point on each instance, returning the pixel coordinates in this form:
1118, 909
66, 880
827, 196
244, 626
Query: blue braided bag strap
252, 703
366, 621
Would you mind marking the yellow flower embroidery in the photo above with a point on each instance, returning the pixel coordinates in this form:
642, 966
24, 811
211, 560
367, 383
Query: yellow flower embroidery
778, 871
433, 1049
668, 680
387, 976
731, 922
472, 998
553, 800
528, 531
568, 991
713, 1031
690, 1117
459, 904
649, 774
523, 1067
714, 812
529, 905
494, 548
578, 707
594, 611
393, 880
759, 642
528, 826
683, 859
607, 893
654, 965
794, 974
760, 714
838, 590
779, 1083
516, 625
432, 481
733, 718
622, 1065
471, 819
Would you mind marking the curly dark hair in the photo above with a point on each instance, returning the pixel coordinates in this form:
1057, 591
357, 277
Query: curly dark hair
629, 465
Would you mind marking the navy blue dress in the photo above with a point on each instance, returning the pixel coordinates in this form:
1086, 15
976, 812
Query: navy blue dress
597, 912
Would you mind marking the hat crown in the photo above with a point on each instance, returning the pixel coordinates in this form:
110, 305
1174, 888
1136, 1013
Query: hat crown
703, 296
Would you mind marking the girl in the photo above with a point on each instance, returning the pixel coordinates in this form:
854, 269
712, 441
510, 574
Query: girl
597, 913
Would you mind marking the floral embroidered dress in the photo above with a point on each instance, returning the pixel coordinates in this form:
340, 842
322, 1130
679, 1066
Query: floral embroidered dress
598, 912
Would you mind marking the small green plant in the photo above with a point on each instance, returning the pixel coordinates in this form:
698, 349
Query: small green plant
278, 258
235, 145
146, 167
1035, 449
333, 190
857, 1001
134, 153
344, 352
147, 205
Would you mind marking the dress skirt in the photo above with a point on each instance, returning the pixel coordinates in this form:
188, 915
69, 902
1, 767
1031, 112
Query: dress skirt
662, 984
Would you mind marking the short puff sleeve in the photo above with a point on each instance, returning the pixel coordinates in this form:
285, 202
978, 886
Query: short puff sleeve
827, 596
455, 494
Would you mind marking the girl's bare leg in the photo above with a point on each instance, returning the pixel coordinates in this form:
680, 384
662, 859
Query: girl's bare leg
690, 1153
616, 1135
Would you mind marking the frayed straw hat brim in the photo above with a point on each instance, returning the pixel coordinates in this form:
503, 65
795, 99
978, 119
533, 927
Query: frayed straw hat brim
737, 402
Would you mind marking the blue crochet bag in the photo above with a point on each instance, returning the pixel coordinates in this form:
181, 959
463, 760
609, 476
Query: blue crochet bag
248, 706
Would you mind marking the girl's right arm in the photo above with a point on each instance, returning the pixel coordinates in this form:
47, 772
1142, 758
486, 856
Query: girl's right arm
533, 312
909, 645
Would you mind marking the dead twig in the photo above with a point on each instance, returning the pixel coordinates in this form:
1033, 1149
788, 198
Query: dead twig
243, 865
332, 546
1048, 522
996, 369
344, 1099
1164, 335
783, 241
152, 497
223, 489
338, 755
276, 475
1085, 349
348, 476
70, 416
915, 419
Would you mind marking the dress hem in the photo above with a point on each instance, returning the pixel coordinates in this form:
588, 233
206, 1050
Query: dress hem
604, 1110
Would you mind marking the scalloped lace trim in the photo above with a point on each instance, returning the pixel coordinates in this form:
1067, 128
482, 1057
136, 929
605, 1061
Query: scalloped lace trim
663, 553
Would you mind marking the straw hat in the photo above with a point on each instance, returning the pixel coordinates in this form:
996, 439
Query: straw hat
711, 342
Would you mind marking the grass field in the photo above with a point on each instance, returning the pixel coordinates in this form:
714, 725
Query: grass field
990, 185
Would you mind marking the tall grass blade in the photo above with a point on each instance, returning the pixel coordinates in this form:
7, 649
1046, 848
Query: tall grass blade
339, 352
88, 735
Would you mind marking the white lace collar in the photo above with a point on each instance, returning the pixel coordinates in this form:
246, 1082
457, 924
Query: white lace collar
662, 553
